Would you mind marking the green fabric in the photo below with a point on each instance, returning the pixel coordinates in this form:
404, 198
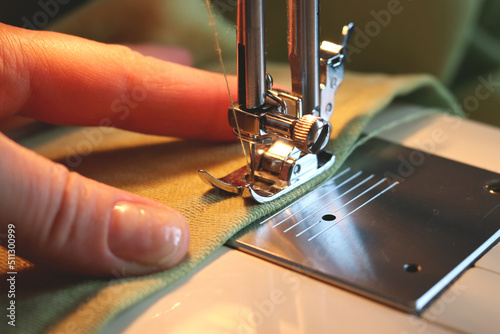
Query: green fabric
454, 40
165, 169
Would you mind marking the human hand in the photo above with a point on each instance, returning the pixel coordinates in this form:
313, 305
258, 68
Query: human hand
64, 220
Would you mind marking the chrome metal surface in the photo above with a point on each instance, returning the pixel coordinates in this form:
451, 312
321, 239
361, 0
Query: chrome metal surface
311, 134
332, 70
303, 52
493, 187
395, 224
282, 128
252, 85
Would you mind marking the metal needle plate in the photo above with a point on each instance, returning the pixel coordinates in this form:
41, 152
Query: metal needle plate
396, 225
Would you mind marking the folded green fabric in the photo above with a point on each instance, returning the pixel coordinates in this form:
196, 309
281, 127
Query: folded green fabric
165, 169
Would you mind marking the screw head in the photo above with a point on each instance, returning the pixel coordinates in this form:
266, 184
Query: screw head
311, 134
296, 169
493, 186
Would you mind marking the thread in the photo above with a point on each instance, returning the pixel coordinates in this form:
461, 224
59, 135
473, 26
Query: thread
221, 62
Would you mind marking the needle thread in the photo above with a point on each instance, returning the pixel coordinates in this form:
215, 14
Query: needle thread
221, 62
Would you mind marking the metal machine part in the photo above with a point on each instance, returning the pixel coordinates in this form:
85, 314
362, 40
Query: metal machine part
395, 224
286, 132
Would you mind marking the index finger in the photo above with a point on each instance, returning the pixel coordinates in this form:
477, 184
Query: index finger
62, 79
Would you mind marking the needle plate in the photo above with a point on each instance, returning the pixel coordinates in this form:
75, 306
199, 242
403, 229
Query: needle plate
395, 224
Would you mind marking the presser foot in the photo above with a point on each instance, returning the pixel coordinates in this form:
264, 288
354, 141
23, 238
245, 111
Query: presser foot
265, 186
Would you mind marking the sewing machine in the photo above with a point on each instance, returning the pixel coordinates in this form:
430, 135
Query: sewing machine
400, 240
286, 132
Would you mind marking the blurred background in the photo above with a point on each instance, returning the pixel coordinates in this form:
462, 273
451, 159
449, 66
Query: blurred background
457, 41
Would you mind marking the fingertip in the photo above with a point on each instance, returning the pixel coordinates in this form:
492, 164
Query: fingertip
154, 237
77, 225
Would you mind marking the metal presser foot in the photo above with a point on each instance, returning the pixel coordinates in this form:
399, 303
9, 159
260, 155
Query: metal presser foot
285, 133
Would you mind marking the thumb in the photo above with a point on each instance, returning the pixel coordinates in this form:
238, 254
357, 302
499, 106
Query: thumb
68, 222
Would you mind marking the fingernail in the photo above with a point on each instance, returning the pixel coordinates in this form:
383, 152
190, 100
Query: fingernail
148, 235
